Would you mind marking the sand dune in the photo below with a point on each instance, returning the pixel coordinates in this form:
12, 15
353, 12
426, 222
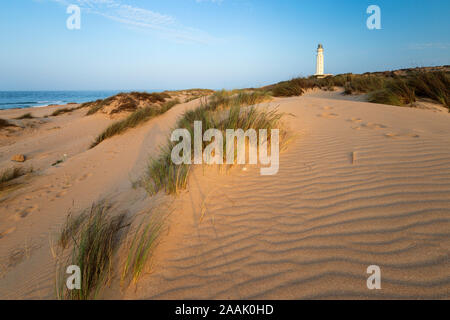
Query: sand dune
361, 184
312, 230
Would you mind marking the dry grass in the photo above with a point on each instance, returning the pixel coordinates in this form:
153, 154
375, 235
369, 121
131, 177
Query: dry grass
127, 101
139, 116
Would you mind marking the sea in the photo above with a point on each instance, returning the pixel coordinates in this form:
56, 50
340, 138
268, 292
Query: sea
27, 99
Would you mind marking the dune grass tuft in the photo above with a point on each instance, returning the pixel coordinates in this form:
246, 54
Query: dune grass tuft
223, 111
9, 174
57, 112
363, 84
433, 85
140, 248
70, 229
294, 87
95, 238
94, 106
5, 123
399, 88
25, 116
396, 92
127, 101
139, 116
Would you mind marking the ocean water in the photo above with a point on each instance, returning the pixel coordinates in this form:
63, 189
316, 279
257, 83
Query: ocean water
26, 99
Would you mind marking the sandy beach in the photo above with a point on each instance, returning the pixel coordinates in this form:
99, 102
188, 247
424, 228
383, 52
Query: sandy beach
361, 184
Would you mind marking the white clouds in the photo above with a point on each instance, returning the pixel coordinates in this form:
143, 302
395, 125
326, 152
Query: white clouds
162, 25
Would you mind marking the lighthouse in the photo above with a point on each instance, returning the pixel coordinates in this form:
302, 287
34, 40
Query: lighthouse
319, 63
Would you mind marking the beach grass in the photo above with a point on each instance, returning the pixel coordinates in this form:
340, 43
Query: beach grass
126, 101
223, 111
95, 238
133, 120
27, 115
396, 92
5, 123
10, 174
58, 112
294, 87
140, 248
433, 85
393, 88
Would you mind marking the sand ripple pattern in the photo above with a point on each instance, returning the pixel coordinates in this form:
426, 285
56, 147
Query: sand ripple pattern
312, 230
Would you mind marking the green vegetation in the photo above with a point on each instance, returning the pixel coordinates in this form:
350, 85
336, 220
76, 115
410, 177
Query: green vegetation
5, 123
294, 87
11, 174
25, 116
94, 106
95, 237
71, 228
398, 88
143, 242
127, 101
396, 92
91, 241
223, 111
57, 112
433, 85
139, 116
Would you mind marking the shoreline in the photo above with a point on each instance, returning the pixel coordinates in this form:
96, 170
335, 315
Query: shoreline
10, 114
43, 106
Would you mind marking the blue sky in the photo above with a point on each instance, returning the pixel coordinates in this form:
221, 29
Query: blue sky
176, 44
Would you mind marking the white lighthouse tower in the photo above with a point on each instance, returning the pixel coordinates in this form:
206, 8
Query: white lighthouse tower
319, 65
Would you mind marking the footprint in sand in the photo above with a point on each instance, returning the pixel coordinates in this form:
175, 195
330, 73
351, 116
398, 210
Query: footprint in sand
328, 115
327, 108
392, 135
371, 125
61, 194
84, 177
24, 212
355, 120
